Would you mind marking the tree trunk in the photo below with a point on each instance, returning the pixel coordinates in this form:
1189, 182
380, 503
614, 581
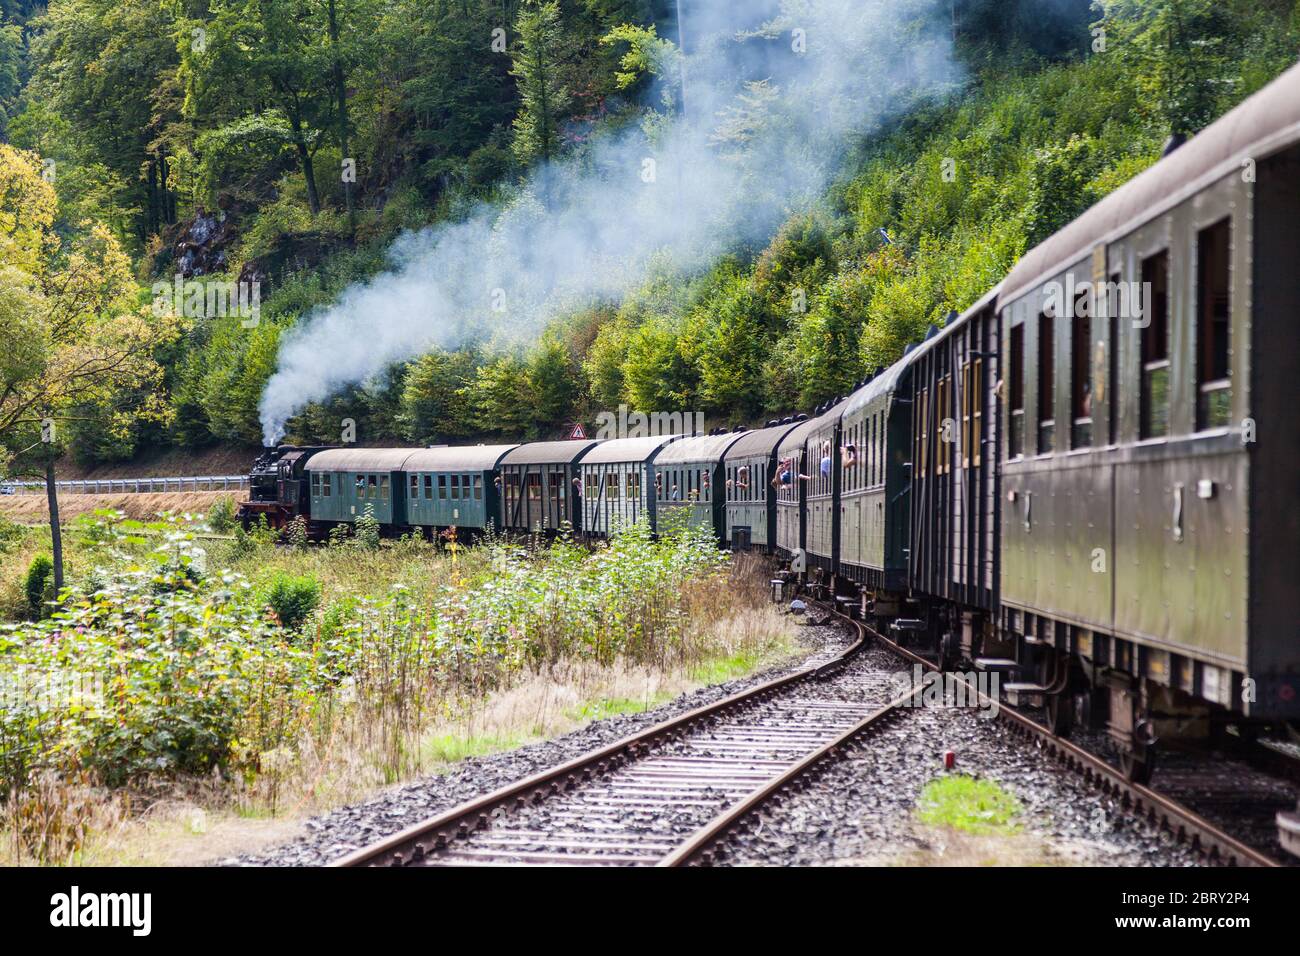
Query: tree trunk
341, 95
309, 174
56, 538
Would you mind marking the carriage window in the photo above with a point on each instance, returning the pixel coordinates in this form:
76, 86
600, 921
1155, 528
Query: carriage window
1112, 356
372, 491
924, 430
415, 487
359, 487
442, 487
478, 487
871, 450
1046, 382
1016, 393
534, 487
1213, 375
944, 456
612, 484
428, 487
964, 386
383, 488
977, 410
1155, 347
1081, 376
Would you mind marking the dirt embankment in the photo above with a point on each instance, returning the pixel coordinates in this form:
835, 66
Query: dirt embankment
173, 462
31, 509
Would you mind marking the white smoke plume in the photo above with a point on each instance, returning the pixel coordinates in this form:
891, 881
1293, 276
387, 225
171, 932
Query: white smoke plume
774, 91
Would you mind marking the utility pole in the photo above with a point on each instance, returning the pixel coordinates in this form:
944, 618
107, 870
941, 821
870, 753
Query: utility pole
56, 536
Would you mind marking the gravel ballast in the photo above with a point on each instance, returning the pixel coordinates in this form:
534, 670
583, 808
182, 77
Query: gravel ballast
862, 809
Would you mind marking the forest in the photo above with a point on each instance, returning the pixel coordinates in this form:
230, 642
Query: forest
291, 146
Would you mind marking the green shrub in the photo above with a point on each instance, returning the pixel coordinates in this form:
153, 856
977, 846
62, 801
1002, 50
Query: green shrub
367, 530
292, 598
221, 518
296, 533
40, 575
11, 534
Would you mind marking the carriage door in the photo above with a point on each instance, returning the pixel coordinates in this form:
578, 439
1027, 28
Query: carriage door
555, 510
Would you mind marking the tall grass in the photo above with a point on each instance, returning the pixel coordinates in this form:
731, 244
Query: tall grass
167, 670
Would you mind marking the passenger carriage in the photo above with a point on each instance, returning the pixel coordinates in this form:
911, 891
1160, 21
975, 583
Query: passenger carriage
822, 465
1152, 452
347, 483
690, 487
750, 467
791, 490
954, 504
618, 483
453, 487
875, 497
540, 486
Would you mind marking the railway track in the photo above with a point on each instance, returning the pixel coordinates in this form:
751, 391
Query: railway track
671, 795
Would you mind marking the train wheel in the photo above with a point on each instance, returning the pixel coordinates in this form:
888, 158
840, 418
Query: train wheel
1060, 714
949, 651
1137, 767
1139, 759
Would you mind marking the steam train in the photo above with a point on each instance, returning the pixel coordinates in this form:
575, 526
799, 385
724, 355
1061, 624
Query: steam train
1086, 482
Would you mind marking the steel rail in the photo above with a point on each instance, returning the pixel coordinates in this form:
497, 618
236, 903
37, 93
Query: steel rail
415, 843
1185, 824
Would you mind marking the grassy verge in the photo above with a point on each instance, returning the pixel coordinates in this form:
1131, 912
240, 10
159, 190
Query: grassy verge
190, 697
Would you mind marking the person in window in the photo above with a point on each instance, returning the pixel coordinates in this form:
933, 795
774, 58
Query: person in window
850, 453
693, 495
577, 486
783, 477
826, 459
675, 495
742, 476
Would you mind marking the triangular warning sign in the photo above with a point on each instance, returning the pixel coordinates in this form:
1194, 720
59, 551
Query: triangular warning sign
577, 432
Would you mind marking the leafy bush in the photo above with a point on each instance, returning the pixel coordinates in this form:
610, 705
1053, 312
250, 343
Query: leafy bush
292, 598
367, 529
296, 533
138, 680
221, 517
11, 534
40, 576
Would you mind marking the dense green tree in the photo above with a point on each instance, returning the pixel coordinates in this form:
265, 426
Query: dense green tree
554, 382
11, 68
104, 67
436, 400
537, 68
275, 51
458, 91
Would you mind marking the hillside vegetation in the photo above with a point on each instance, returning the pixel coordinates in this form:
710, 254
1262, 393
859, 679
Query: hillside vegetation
144, 141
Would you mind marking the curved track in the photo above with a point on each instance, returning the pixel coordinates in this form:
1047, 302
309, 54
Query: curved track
672, 794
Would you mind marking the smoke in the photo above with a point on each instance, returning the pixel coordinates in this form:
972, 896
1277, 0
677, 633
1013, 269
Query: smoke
774, 92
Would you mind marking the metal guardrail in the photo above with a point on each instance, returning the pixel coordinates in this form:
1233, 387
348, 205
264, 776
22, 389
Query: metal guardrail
108, 486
